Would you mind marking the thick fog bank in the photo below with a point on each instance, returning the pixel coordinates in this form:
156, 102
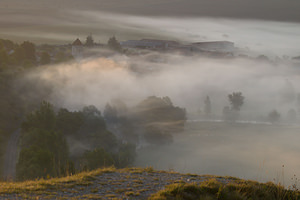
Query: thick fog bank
256, 152
187, 80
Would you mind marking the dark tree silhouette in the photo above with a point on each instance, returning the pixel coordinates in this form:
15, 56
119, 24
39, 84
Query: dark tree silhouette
114, 44
274, 116
29, 50
207, 106
89, 41
236, 100
45, 58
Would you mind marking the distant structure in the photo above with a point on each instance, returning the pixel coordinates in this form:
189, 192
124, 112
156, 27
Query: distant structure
218, 46
214, 46
149, 44
77, 48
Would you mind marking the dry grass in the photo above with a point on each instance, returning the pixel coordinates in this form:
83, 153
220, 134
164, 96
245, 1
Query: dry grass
215, 190
80, 179
182, 187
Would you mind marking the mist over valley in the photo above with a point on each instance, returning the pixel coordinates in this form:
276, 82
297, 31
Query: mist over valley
100, 84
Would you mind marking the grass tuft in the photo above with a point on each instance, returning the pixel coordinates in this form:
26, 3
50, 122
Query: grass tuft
215, 190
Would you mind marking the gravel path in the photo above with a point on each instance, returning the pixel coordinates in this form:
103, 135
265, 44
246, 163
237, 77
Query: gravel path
10, 159
114, 185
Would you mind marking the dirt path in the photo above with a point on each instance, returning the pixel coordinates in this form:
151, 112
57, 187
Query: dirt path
10, 159
120, 184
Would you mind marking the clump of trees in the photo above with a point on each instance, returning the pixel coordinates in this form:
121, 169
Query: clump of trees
89, 41
236, 100
12, 54
153, 120
274, 116
114, 44
58, 143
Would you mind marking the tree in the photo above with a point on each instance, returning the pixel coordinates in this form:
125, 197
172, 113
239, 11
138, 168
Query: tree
44, 118
46, 152
68, 123
274, 116
125, 156
19, 54
110, 114
45, 58
236, 100
114, 44
93, 120
207, 106
89, 41
97, 158
3, 58
29, 50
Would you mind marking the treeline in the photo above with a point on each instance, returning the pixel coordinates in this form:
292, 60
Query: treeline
65, 142
27, 54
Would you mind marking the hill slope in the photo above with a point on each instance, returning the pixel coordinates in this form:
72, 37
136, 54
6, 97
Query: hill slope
129, 183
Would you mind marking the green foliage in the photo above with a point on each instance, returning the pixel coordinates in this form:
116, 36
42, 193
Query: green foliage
7, 44
160, 119
27, 64
3, 58
29, 50
39, 138
68, 122
93, 121
11, 105
89, 41
35, 162
45, 58
19, 55
156, 118
97, 158
42, 150
114, 44
44, 118
155, 109
45, 131
125, 156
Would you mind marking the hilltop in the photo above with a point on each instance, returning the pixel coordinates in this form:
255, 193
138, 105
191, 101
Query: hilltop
142, 183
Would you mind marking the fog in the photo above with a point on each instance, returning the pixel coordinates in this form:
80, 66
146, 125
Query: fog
253, 37
261, 152
247, 151
187, 80
244, 150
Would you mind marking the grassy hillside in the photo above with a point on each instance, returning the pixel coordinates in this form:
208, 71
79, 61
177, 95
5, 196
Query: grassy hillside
143, 183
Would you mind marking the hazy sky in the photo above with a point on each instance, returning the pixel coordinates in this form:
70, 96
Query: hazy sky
282, 10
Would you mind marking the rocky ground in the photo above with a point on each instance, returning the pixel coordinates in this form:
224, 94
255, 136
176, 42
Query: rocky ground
111, 184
